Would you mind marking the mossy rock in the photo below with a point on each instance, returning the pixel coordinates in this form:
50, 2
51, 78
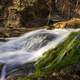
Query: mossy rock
65, 54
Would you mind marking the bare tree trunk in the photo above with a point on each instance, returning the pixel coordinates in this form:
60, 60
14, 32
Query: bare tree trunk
49, 3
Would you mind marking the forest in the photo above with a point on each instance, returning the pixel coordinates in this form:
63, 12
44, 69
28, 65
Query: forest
19, 16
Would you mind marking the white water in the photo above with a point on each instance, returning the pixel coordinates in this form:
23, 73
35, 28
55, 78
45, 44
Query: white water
29, 47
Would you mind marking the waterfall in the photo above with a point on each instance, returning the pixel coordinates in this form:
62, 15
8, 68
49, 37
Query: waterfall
29, 47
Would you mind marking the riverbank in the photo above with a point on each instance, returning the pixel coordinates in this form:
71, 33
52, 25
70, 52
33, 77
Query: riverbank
14, 32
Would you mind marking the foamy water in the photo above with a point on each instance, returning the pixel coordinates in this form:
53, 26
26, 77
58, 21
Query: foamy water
30, 47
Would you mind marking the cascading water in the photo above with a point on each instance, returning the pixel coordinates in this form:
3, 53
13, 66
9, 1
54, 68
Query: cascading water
29, 47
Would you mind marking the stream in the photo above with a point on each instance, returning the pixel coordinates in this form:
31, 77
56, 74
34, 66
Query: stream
29, 47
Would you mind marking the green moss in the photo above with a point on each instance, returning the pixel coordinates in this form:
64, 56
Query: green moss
65, 54
1, 66
23, 78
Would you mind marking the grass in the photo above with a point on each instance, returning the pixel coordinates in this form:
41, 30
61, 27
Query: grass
65, 54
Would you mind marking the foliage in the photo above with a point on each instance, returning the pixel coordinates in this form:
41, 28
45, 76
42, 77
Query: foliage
18, 5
